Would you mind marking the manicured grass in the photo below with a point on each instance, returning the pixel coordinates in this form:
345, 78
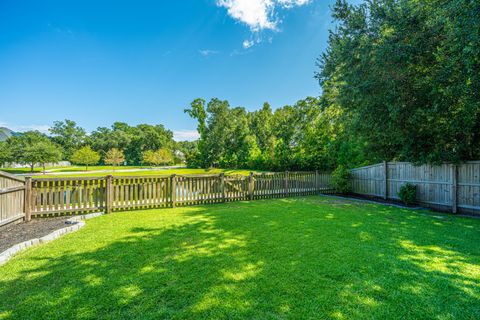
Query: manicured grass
79, 169
28, 170
94, 168
179, 171
64, 169
305, 258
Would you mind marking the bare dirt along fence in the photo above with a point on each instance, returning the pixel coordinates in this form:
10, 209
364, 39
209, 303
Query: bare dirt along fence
454, 187
52, 196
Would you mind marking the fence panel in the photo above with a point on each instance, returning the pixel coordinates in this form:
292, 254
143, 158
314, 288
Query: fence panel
139, 192
12, 195
433, 182
468, 189
369, 180
444, 186
67, 195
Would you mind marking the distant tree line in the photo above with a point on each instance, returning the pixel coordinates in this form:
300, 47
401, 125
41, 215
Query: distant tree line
400, 81
135, 145
304, 136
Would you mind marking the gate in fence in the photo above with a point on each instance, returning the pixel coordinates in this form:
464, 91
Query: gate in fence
83, 195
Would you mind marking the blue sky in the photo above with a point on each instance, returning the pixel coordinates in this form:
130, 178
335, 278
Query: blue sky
97, 62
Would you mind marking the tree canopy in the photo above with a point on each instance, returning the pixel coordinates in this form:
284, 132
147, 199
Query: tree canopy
85, 156
158, 157
114, 157
32, 147
68, 135
407, 74
133, 140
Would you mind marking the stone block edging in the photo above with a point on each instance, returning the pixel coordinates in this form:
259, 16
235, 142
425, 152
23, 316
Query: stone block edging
75, 223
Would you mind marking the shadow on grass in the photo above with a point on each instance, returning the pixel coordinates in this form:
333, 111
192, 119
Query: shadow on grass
295, 258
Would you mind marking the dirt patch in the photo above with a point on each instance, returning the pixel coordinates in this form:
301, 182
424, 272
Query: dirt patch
37, 228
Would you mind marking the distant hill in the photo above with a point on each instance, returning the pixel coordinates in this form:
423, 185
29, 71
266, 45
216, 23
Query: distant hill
5, 133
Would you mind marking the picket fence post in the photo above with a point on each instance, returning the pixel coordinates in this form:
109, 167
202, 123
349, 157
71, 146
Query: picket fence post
250, 186
385, 180
285, 184
453, 188
28, 199
222, 185
109, 193
173, 190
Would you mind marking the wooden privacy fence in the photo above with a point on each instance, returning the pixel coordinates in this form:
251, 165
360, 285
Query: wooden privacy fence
12, 197
445, 186
82, 195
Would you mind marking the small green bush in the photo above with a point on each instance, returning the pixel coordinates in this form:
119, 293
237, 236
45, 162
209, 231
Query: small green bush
341, 179
408, 193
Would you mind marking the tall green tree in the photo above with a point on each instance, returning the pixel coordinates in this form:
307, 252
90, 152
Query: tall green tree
67, 135
6, 155
406, 74
213, 127
41, 152
33, 147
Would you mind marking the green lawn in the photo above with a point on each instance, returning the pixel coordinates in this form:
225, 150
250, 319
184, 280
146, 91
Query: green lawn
28, 170
304, 258
80, 171
180, 171
66, 169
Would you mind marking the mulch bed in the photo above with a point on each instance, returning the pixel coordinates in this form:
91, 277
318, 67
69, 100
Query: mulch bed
37, 228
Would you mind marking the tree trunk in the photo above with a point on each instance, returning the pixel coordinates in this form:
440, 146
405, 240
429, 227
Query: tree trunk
31, 167
44, 168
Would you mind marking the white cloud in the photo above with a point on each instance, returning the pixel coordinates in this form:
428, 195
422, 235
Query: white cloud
258, 14
292, 3
247, 44
207, 52
182, 135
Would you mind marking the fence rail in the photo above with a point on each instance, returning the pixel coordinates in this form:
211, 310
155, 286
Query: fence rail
444, 186
82, 195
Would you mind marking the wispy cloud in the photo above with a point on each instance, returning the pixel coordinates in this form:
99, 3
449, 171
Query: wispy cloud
22, 128
258, 15
182, 135
207, 52
247, 44
65, 31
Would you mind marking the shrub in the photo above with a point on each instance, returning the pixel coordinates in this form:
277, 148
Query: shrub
341, 179
408, 193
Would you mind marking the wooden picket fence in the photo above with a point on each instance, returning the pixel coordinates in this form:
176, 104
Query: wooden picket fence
82, 195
